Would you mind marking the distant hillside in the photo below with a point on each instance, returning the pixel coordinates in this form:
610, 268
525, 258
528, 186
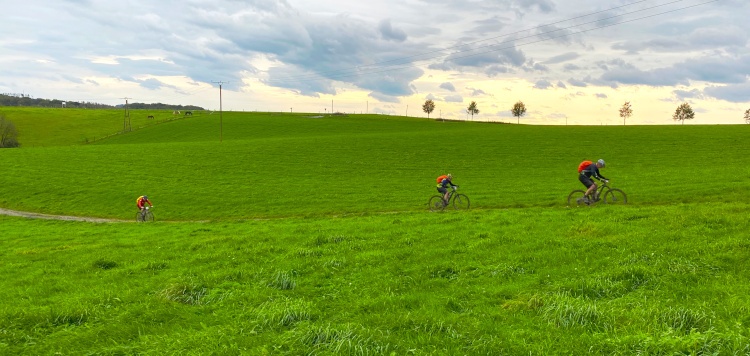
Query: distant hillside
27, 100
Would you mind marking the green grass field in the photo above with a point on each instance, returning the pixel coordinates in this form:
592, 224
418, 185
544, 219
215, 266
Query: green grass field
306, 235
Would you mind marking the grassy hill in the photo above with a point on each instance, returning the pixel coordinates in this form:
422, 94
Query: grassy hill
300, 234
44, 127
274, 165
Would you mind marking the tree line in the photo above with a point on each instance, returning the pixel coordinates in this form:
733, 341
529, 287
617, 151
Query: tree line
683, 112
26, 100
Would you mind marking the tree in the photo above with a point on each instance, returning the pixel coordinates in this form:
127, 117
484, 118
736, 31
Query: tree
683, 112
472, 109
626, 111
8, 133
518, 110
747, 116
428, 107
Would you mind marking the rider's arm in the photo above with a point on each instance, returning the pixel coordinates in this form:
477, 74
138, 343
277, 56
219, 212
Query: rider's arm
598, 175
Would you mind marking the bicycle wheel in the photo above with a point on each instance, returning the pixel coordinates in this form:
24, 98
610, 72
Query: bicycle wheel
138, 217
615, 196
436, 203
149, 216
461, 202
576, 198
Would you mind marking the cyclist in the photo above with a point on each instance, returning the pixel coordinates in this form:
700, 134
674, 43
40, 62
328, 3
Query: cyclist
141, 203
442, 186
589, 170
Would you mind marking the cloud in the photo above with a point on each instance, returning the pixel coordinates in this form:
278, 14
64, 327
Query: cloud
454, 99
735, 93
491, 59
545, 6
448, 86
577, 83
683, 95
565, 57
601, 96
556, 34
562, 85
543, 84
476, 92
151, 84
714, 69
389, 33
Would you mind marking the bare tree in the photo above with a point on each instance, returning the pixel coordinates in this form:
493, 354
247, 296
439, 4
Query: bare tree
747, 116
472, 109
8, 133
683, 112
518, 110
428, 107
626, 111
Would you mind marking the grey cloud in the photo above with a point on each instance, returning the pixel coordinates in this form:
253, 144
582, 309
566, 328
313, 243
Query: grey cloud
448, 86
545, 6
476, 92
691, 94
151, 84
304, 83
735, 93
543, 84
560, 84
491, 25
715, 69
492, 60
697, 39
555, 34
577, 83
492, 71
389, 33
540, 67
571, 67
601, 96
565, 57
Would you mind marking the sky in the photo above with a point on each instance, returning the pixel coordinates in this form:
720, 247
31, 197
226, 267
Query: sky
571, 62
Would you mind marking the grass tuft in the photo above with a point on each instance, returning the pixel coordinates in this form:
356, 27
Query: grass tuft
186, 293
105, 264
284, 280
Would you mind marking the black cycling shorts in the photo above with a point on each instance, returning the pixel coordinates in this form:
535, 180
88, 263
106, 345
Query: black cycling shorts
585, 180
442, 190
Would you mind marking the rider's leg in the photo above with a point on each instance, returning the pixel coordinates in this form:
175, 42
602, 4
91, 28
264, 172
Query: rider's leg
588, 183
444, 192
590, 191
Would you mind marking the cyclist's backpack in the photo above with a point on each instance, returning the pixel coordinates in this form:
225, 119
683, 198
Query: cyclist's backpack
440, 179
584, 165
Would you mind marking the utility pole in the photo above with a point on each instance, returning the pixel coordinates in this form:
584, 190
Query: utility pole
126, 119
221, 119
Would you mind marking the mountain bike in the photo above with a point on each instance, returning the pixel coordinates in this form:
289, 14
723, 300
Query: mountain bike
603, 193
459, 201
144, 215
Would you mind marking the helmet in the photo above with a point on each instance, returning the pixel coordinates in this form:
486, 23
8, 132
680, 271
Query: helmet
145, 197
601, 162
450, 176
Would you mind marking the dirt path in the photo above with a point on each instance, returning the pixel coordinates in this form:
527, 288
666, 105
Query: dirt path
57, 217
